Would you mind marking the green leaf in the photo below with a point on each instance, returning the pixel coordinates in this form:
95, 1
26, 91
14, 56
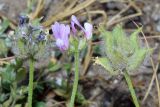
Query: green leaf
136, 59
8, 75
3, 97
80, 98
104, 62
54, 68
18, 64
67, 67
122, 52
118, 59
21, 46
119, 36
4, 25
8, 42
3, 48
21, 74
40, 104
109, 41
134, 39
122, 43
36, 22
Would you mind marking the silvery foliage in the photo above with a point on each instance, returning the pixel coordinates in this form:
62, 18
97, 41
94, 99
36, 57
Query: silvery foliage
122, 53
30, 40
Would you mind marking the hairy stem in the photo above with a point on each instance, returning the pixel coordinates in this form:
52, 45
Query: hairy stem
131, 89
75, 84
31, 77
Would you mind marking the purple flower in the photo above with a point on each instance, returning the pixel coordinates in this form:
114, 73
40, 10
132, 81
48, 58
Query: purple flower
23, 20
87, 29
61, 34
41, 36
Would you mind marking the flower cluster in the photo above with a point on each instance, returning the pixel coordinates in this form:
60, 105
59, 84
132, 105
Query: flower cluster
62, 32
30, 38
32, 33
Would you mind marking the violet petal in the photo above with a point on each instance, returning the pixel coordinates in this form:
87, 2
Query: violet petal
88, 30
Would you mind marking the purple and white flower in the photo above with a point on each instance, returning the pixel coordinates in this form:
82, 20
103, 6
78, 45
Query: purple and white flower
87, 29
61, 33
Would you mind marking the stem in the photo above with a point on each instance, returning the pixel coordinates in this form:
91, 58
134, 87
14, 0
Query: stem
0, 84
14, 102
31, 76
75, 84
131, 89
